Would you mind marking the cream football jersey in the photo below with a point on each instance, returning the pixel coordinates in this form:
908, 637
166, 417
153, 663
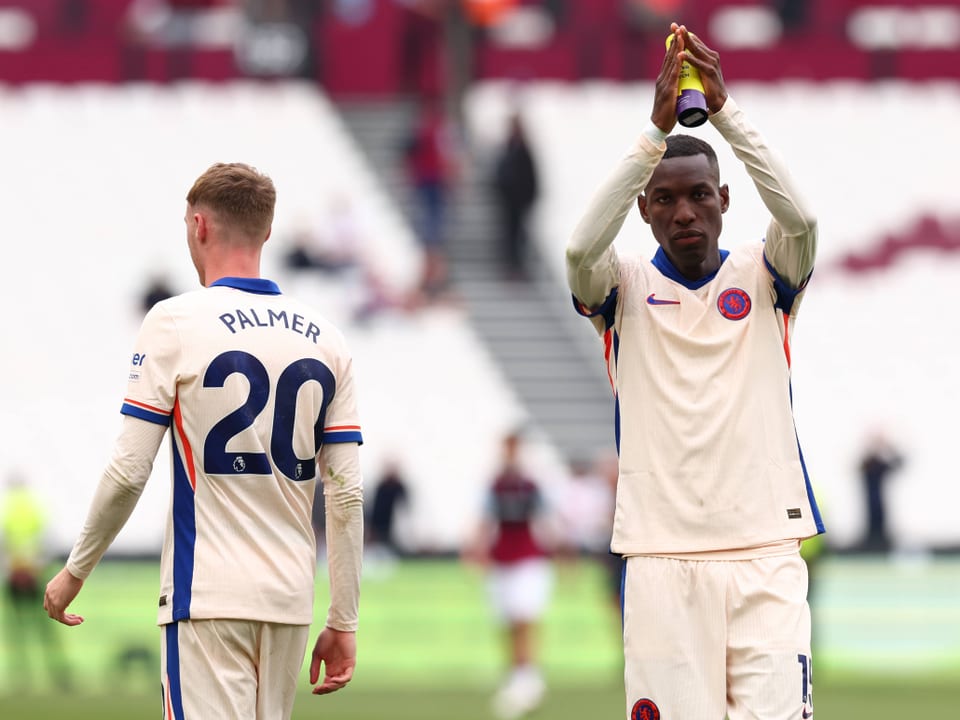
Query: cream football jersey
709, 457
252, 383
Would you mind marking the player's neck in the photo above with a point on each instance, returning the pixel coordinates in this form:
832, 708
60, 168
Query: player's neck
240, 265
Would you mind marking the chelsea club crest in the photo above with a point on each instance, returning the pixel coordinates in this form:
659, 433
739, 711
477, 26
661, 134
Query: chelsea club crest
645, 709
734, 304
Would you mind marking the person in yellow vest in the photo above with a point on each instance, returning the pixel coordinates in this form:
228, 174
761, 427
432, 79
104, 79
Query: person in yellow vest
23, 527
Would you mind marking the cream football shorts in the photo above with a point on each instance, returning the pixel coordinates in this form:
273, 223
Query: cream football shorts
708, 639
226, 669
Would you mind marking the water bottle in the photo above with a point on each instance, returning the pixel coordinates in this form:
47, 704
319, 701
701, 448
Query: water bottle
691, 102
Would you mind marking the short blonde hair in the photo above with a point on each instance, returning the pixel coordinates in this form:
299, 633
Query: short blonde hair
239, 194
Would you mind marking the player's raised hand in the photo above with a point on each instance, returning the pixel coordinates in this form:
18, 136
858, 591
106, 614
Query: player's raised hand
664, 114
337, 650
707, 61
61, 591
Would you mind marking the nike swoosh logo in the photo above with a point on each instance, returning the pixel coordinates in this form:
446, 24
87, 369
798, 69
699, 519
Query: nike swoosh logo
651, 300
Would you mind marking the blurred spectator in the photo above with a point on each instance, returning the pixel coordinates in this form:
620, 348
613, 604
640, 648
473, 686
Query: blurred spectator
158, 289
29, 634
646, 24
516, 185
72, 16
278, 38
331, 251
391, 493
793, 14
879, 461
171, 25
338, 248
421, 42
587, 516
586, 507
520, 576
485, 13
430, 163
590, 30
654, 16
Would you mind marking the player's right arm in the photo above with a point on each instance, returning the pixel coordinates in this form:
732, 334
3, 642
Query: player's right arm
593, 270
117, 494
151, 390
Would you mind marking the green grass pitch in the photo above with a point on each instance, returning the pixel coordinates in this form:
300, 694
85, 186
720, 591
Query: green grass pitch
428, 650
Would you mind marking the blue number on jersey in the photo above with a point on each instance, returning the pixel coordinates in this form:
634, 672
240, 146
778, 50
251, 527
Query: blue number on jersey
284, 416
216, 459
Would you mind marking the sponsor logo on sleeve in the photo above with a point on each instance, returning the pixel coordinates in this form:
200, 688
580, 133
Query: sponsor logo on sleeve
136, 362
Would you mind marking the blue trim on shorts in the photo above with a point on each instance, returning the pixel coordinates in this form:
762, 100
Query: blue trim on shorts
623, 591
173, 672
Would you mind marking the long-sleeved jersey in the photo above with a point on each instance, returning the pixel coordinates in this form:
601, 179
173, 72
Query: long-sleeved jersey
709, 456
252, 384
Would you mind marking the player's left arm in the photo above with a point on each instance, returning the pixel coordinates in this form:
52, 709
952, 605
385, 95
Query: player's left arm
791, 239
117, 494
339, 465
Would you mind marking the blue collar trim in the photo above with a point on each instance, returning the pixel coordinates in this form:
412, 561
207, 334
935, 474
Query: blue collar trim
662, 263
260, 286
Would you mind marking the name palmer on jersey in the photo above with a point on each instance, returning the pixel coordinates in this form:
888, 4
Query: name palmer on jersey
241, 319
238, 320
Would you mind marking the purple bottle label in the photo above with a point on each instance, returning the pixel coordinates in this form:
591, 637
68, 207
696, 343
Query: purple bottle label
691, 108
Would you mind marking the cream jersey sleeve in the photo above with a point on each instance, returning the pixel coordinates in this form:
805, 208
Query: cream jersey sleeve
592, 266
791, 239
117, 494
339, 465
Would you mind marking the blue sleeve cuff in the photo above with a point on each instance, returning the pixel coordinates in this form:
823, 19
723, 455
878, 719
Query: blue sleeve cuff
152, 416
786, 295
607, 310
343, 437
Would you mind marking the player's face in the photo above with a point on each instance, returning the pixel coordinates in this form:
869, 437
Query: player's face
684, 205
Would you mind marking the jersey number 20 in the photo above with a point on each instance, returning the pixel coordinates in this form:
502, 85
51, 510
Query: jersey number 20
218, 461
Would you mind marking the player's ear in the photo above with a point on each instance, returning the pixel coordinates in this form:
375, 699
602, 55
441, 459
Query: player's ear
724, 198
642, 204
202, 227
